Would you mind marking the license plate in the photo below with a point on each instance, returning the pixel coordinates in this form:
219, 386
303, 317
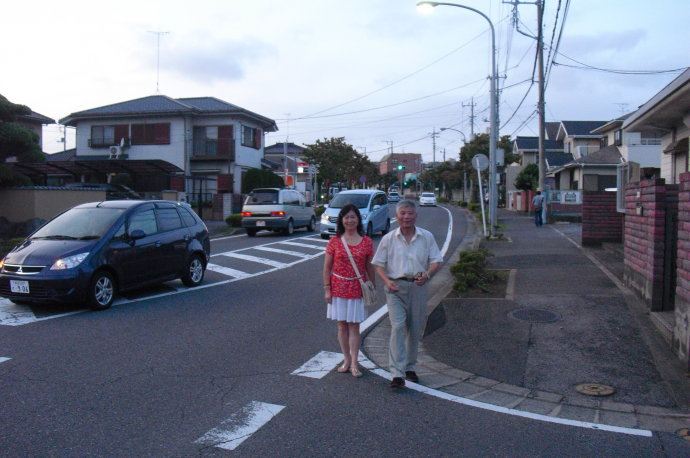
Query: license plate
261, 223
19, 286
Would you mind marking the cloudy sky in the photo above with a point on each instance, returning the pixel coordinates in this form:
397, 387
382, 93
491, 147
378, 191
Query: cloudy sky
373, 71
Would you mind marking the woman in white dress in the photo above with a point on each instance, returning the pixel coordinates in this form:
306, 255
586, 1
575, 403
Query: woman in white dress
342, 289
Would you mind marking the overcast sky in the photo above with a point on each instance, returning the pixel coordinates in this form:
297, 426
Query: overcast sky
372, 71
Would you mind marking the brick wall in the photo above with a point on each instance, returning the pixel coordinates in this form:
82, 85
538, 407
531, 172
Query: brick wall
600, 220
681, 336
646, 204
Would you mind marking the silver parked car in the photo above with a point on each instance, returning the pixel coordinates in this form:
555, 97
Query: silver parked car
372, 204
278, 210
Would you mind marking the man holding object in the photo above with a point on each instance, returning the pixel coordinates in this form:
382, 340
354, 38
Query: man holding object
405, 260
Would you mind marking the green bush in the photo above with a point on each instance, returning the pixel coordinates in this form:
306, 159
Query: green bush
470, 271
234, 220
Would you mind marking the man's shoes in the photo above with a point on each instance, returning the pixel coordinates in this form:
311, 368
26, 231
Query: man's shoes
411, 376
398, 382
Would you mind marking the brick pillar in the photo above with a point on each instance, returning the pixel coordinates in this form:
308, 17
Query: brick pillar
645, 217
601, 221
681, 335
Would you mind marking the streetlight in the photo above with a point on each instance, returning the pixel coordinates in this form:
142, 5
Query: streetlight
426, 6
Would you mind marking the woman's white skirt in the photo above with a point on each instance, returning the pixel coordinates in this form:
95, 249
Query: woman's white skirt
350, 310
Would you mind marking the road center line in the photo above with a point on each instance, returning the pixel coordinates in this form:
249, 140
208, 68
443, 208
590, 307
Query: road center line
240, 426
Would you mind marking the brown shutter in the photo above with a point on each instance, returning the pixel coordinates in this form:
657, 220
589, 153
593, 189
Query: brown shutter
121, 131
138, 134
224, 139
161, 133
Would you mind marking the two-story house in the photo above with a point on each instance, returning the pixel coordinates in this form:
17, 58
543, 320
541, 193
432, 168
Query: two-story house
211, 140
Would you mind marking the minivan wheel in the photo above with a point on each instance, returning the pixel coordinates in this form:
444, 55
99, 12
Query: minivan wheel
312, 225
290, 228
194, 272
387, 228
102, 290
370, 230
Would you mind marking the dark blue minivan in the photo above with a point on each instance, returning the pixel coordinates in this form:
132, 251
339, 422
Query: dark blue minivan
93, 251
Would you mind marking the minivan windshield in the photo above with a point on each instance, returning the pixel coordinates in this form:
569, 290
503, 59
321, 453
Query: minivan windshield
360, 200
262, 197
80, 224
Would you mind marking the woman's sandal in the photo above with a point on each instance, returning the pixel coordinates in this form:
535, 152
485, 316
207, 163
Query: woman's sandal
354, 370
343, 369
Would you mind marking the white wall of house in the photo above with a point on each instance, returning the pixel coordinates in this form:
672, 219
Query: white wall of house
173, 153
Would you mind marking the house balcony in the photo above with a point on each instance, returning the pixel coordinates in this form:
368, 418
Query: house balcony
107, 142
213, 151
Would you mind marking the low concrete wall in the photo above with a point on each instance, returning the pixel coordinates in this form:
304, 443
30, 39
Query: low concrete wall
19, 205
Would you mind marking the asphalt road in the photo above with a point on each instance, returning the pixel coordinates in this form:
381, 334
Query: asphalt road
179, 372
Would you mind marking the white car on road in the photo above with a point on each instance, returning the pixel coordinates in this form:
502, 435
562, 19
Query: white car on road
427, 198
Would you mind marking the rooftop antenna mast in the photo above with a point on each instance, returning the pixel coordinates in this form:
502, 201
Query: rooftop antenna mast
158, 34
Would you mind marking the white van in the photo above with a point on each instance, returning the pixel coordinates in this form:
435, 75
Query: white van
278, 210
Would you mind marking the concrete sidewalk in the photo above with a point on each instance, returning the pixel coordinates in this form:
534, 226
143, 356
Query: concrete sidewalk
566, 320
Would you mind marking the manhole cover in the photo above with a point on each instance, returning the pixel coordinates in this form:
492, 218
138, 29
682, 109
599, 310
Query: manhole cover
595, 389
684, 433
535, 315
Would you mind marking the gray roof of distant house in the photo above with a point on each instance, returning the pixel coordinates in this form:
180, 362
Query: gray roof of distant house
532, 144
161, 105
581, 128
557, 159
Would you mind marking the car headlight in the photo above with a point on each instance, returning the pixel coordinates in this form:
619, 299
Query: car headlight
324, 218
69, 262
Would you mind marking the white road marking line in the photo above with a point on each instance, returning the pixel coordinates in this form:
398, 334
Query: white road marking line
227, 271
303, 245
4, 358
278, 250
517, 413
247, 257
320, 365
18, 315
240, 426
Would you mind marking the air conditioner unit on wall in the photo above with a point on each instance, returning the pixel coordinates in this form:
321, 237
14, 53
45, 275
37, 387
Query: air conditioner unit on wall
115, 152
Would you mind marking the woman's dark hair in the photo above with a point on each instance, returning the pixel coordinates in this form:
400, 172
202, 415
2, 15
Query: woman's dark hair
340, 229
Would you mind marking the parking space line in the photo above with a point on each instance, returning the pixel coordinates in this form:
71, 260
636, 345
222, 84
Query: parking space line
227, 271
247, 257
278, 250
240, 426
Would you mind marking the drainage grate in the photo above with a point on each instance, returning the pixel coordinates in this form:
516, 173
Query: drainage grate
595, 389
535, 315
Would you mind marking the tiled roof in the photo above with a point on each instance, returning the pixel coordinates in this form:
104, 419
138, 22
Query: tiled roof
552, 129
163, 105
557, 159
532, 144
581, 128
606, 155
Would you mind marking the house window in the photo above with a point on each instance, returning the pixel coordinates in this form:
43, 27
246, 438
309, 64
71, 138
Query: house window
108, 135
251, 137
151, 134
212, 140
618, 137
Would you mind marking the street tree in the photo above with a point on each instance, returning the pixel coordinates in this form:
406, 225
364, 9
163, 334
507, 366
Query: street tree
16, 141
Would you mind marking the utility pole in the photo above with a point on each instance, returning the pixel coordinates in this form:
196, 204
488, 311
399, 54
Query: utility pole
158, 54
471, 105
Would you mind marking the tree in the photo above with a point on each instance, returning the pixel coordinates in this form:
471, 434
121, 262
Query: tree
339, 162
528, 178
16, 141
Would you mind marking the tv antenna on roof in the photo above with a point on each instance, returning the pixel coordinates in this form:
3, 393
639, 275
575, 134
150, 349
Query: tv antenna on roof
158, 54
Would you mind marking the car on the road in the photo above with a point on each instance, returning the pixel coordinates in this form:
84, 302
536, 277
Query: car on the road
372, 205
427, 198
393, 196
278, 210
93, 251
